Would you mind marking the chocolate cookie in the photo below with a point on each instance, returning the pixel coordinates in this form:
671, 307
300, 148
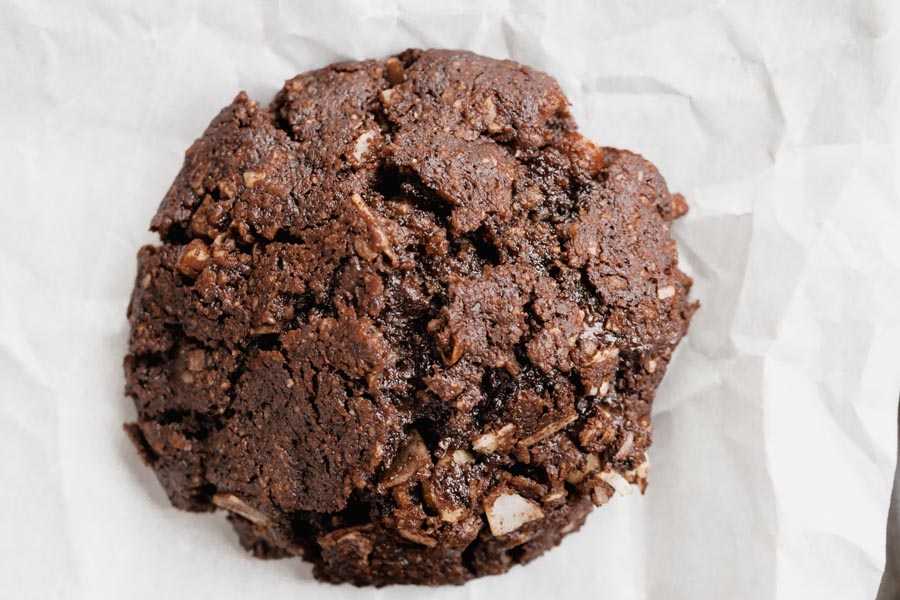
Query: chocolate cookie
406, 322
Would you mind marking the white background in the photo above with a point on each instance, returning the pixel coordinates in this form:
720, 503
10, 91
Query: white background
776, 427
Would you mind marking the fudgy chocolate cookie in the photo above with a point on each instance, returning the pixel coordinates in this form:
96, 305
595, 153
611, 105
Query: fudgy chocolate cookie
406, 322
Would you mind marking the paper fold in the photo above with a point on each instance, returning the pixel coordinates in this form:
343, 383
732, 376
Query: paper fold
775, 429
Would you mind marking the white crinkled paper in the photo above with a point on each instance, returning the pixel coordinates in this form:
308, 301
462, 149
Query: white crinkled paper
775, 429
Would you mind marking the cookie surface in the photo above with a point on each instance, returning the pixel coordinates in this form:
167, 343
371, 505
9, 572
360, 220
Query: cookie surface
406, 322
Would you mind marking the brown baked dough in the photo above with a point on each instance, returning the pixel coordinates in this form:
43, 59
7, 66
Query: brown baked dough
406, 322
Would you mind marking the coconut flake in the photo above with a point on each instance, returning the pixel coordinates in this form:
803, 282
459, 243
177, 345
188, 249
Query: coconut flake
604, 355
232, 503
361, 545
626, 446
417, 537
376, 228
665, 292
361, 149
553, 497
490, 116
638, 475
463, 457
643, 469
509, 511
452, 515
251, 178
577, 476
490, 441
619, 483
600, 494
549, 430
413, 456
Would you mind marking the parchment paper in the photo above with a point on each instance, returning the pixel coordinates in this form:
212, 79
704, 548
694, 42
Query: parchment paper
775, 430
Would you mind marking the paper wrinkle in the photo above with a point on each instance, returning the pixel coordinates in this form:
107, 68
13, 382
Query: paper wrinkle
19, 355
20, 423
774, 439
29, 417
753, 56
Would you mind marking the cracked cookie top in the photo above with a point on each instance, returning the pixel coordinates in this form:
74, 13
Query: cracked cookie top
406, 310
